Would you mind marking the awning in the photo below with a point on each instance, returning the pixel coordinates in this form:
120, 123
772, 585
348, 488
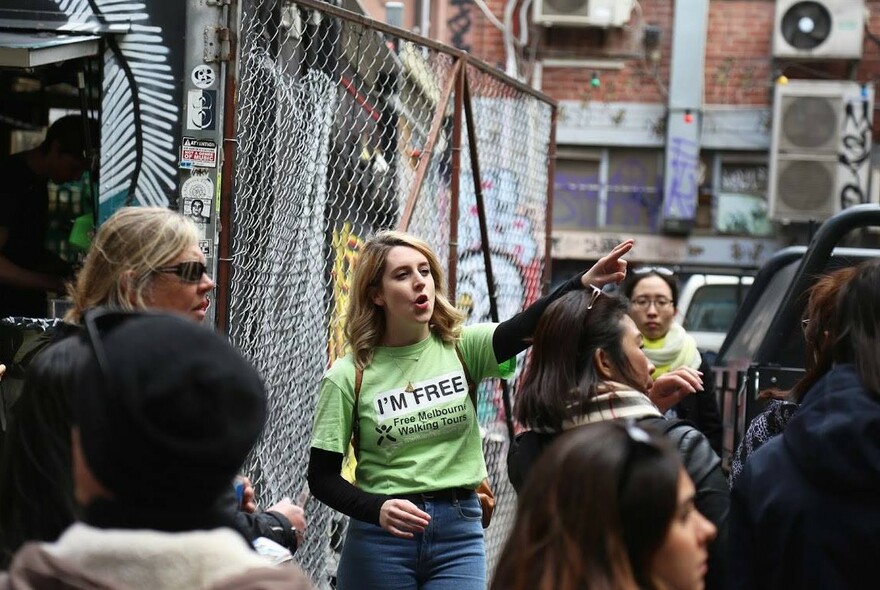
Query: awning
30, 50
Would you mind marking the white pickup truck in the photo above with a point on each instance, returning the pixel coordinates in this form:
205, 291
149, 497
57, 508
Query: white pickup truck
707, 305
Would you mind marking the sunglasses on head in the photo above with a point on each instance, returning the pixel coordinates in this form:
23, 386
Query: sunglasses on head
660, 270
189, 272
594, 295
98, 322
639, 444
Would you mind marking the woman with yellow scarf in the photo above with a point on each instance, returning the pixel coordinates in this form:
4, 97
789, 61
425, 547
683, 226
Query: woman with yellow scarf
653, 293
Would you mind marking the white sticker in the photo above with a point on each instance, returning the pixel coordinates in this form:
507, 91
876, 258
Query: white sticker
197, 193
201, 109
205, 247
203, 76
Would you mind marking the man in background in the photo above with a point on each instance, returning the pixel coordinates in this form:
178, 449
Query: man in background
28, 271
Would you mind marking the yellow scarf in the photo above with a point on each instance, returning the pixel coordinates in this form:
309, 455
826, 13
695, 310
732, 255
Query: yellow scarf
676, 349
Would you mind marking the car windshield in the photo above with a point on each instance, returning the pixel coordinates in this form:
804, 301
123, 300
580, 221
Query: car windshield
713, 308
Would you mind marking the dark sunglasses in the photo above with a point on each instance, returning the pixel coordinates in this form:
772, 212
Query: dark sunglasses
189, 272
639, 444
660, 270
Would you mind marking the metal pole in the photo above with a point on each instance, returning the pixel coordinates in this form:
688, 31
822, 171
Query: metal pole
548, 214
425, 159
455, 183
484, 237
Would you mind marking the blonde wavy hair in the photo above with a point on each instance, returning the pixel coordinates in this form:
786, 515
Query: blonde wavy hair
124, 256
365, 321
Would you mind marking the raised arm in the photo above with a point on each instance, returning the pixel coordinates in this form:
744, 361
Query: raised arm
514, 335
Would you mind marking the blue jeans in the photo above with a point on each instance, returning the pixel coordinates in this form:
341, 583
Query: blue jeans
449, 555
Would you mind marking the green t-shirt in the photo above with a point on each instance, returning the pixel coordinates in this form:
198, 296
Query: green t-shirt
411, 441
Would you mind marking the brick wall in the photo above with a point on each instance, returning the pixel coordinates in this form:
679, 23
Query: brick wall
739, 69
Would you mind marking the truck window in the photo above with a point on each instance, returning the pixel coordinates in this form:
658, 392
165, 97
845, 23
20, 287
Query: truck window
713, 308
745, 344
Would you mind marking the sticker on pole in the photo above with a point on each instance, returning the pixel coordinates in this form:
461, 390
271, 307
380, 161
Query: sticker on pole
203, 76
197, 193
198, 153
205, 247
201, 110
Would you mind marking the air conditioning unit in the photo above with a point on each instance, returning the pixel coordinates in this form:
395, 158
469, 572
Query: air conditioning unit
823, 29
583, 13
819, 149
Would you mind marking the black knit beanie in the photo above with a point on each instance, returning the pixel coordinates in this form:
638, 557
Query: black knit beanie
172, 414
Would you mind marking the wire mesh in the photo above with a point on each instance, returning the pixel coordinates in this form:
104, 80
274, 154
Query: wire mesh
334, 137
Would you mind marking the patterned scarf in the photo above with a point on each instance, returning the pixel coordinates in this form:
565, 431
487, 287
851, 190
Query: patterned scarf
610, 402
676, 349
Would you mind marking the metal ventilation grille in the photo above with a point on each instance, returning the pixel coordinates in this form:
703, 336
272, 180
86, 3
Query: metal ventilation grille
806, 25
804, 185
566, 7
809, 122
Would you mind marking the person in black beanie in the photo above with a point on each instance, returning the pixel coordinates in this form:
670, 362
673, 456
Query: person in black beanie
164, 414
141, 258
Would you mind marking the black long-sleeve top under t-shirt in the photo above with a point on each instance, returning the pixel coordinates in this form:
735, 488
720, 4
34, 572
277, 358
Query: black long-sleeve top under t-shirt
325, 480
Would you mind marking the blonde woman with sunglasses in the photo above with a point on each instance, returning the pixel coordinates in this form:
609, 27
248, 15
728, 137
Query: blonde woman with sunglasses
144, 258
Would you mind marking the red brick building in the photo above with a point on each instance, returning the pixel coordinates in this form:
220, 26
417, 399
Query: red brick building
637, 109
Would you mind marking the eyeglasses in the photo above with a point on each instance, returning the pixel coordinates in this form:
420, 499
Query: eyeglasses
594, 296
188, 272
660, 270
639, 443
646, 302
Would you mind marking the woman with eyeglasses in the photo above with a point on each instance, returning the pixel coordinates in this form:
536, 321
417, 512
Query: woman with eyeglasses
652, 292
403, 394
805, 511
141, 258
587, 366
611, 506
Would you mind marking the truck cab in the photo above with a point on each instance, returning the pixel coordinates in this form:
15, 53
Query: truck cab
765, 345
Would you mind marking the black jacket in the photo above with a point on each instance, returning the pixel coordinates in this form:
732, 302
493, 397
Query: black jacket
700, 461
270, 524
805, 511
701, 409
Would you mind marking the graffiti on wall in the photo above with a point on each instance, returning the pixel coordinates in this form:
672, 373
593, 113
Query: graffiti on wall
140, 105
346, 248
855, 152
516, 254
460, 24
681, 200
633, 199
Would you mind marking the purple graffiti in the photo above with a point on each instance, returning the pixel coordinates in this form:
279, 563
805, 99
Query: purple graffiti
681, 202
633, 198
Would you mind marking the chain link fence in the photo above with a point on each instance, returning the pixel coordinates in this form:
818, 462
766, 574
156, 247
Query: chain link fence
346, 126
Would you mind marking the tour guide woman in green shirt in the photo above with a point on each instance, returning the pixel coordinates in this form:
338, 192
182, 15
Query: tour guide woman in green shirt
415, 519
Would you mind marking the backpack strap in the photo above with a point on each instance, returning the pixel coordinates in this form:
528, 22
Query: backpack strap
355, 426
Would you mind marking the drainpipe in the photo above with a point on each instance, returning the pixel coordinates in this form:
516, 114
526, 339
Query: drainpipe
684, 116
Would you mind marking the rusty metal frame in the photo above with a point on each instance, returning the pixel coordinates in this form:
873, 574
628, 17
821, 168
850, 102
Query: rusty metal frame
428, 151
